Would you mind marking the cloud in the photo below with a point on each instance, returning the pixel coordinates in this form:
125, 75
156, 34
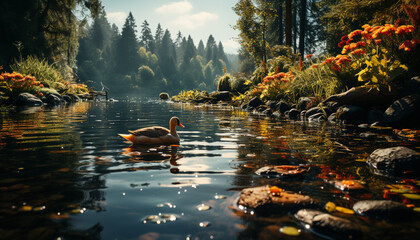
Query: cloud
117, 17
193, 21
175, 8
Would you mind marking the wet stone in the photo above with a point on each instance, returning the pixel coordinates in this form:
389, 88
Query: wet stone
394, 161
383, 209
329, 225
349, 185
283, 171
261, 199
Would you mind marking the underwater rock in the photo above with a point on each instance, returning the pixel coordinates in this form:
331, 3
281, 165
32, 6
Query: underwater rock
394, 161
404, 112
329, 225
383, 209
273, 199
164, 96
283, 170
349, 185
27, 99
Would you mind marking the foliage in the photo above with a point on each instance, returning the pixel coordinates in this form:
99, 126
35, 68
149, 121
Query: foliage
44, 72
13, 84
190, 95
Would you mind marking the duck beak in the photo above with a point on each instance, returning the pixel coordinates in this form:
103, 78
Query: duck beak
179, 124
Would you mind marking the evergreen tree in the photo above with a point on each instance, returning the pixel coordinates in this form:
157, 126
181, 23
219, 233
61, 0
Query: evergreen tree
167, 60
158, 36
221, 54
146, 39
210, 46
200, 49
127, 56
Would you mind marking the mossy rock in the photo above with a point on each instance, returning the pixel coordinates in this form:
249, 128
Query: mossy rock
239, 85
224, 83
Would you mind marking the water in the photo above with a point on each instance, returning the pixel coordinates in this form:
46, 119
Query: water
66, 174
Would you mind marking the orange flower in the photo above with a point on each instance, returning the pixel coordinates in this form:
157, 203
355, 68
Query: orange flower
354, 33
378, 41
314, 66
358, 52
309, 55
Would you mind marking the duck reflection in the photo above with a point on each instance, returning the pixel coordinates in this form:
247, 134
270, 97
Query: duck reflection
153, 153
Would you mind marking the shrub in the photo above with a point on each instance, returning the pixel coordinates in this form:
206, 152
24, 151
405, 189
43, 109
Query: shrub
44, 72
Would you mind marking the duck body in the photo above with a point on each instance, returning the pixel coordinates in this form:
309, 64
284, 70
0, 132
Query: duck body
155, 135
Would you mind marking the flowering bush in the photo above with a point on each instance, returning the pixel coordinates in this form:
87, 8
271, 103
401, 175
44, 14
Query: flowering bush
379, 52
273, 86
12, 84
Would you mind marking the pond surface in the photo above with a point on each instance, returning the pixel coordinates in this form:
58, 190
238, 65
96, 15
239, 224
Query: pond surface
66, 174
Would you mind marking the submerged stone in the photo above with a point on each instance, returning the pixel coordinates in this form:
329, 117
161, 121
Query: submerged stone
394, 161
349, 185
283, 170
264, 199
383, 209
329, 225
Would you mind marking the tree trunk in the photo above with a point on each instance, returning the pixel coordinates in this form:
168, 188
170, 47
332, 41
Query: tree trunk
302, 28
289, 23
280, 19
294, 27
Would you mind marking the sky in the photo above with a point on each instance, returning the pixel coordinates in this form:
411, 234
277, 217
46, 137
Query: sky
198, 18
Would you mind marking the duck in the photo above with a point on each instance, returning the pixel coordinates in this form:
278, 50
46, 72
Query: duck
155, 135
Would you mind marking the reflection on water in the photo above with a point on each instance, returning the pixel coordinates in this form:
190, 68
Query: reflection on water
65, 173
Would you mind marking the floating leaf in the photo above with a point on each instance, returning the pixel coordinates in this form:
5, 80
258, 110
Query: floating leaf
402, 190
417, 209
344, 210
291, 231
275, 190
412, 196
330, 206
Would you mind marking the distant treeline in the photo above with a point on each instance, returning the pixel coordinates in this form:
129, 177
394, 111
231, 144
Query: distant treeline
145, 63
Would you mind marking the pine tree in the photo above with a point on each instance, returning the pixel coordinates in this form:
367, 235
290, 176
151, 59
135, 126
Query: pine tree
146, 39
200, 49
127, 56
158, 36
211, 43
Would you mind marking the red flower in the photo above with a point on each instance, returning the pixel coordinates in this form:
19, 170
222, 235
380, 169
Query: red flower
309, 55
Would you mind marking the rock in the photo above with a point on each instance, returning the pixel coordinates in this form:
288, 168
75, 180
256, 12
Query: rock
54, 100
255, 102
394, 161
351, 114
261, 200
383, 209
312, 111
318, 117
267, 112
164, 96
329, 225
302, 115
272, 104
276, 114
333, 117
74, 98
349, 185
283, 171
67, 98
404, 113
411, 86
305, 103
221, 96
282, 106
292, 114
363, 96
27, 99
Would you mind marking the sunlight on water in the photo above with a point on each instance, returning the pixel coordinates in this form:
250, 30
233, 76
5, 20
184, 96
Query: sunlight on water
65, 172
